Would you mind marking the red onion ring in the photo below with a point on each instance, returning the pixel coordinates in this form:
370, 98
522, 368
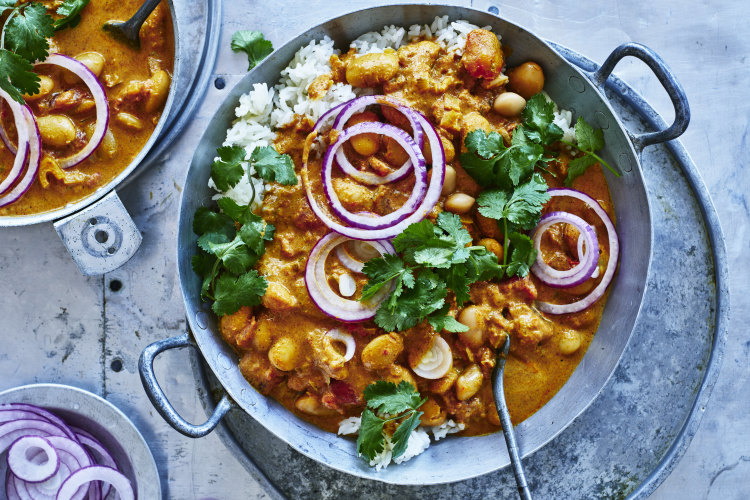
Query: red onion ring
22, 152
420, 173
614, 253
356, 105
587, 261
346, 339
353, 264
100, 99
320, 291
21, 465
430, 199
3, 132
96, 473
35, 156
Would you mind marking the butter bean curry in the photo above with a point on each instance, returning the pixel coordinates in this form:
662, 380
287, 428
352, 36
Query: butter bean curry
136, 83
285, 344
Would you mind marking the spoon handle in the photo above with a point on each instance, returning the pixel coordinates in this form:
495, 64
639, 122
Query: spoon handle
510, 440
498, 390
142, 14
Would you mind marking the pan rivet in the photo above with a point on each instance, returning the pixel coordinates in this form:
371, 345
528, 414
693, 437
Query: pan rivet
219, 83
200, 319
601, 120
625, 164
115, 285
493, 9
576, 84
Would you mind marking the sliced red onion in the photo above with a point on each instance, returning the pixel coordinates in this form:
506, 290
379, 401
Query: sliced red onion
100, 99
430, 199
35, 156
100, 454
22, 152
11, 431
20, 464
355, 106
320, 290
355, 265
10, 487
420, 173
588, 259
346, 338
328, 116
119, 482
437, 361
35, 413
3, 133
614, 253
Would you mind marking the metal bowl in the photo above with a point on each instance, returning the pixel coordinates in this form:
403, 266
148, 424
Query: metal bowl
449, 460
102, 419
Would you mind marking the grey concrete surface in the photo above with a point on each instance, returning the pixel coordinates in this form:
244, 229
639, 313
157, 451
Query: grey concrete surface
58, 326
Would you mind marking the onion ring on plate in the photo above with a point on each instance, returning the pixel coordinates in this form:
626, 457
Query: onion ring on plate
614, 254
588, 259
100, 99
20, 459
22, 153
320, 291
86, 475
431, 197
369, 221
356, 105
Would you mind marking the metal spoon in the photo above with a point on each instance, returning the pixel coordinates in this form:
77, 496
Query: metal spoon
129, 31
508, 432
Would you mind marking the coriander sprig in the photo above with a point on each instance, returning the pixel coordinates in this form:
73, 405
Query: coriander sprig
589, 140
388, 402
435, 258
23, 41
254, 44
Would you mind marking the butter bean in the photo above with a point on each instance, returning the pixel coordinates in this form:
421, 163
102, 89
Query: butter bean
56, 130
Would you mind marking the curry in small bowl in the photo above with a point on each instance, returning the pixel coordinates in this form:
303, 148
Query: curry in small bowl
79, 106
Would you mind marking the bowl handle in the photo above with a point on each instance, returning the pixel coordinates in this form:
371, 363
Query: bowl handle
100, 238
665, 77
159, 399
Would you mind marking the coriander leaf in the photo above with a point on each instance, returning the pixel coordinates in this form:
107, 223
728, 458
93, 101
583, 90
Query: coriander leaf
447, 323
7, 4
253, 44
255, 232
238, 213
272, 166
413, 237
400, 438
483, 265
483, 144
492, 203
539, 115
588, 138
383, 270
370, 440
414, 304
207, 221
234, 254
577, 167
457, 279
523, 256
204, 265
26, 33
451, 224
481, 170
17, 76
391, 399
522, 158
71, 12
234, 292
525, 205
227, 171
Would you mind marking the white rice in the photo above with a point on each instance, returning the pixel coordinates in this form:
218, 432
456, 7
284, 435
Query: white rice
419, 440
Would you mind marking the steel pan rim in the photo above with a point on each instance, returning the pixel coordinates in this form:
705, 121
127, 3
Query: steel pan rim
209, 345
52, 215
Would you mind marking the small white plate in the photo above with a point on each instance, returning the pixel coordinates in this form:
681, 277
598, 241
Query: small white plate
102, 419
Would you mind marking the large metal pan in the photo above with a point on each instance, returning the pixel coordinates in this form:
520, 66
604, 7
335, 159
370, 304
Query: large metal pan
459, 458
98, 230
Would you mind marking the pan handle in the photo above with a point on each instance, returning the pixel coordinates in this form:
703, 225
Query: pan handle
665, 77
159, 399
